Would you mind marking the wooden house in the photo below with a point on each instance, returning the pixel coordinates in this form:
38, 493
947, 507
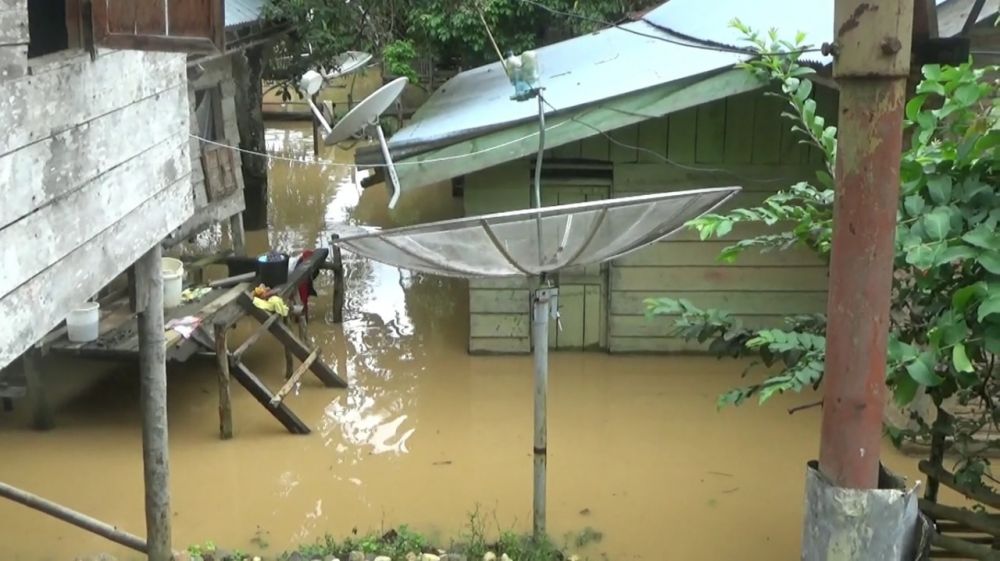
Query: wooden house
98, 164
647, 106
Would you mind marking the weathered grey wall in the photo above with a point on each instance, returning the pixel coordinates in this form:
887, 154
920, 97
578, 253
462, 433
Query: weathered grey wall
95, 169
216, 73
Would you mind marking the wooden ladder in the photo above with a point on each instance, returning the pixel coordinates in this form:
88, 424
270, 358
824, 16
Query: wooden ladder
231, 365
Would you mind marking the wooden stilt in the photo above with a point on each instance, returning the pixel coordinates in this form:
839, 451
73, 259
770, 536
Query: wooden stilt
75, 518
238, 235
153, 403
41, 410
317, 142
338, 282
225, 401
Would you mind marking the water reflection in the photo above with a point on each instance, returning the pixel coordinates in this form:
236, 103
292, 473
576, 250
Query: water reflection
423, 434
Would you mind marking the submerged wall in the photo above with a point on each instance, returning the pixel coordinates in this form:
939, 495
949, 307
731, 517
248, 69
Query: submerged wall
740, 140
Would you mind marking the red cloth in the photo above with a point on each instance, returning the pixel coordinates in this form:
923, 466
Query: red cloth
306, 287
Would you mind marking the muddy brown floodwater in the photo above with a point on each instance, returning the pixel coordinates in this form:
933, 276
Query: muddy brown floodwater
425, 433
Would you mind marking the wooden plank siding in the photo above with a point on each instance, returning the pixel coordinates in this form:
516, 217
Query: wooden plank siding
96, 166
499, 309
740, 140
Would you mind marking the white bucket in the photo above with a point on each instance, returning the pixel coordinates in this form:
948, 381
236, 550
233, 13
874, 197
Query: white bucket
81, 323
173, 282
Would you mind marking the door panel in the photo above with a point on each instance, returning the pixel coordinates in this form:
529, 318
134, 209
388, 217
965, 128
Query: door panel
581, 289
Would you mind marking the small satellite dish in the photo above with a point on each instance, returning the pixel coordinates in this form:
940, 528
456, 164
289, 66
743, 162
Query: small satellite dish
364, 117
347, 63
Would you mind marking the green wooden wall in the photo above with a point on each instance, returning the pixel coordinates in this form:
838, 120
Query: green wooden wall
740, 140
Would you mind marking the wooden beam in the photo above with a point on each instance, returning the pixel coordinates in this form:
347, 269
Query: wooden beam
225, 400
292, 343
73, 517
237, 233
41, 410
338, 281
969, 519
948, 480
294, 378
259, 391
153, 404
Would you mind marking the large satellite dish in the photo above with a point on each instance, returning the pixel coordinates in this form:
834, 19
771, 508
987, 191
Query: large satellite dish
347, 63
537, 242
365, 118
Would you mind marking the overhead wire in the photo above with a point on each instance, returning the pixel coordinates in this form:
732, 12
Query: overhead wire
694, 42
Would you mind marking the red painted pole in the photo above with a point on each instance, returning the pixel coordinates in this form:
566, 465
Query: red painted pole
872, 50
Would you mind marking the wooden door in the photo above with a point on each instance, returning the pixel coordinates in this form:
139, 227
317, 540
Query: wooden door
582, 290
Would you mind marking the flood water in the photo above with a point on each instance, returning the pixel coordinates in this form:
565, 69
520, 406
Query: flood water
425, 434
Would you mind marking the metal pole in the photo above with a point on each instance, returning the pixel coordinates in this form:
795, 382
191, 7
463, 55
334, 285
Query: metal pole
153, 403
390, 169
540, 341
872, 50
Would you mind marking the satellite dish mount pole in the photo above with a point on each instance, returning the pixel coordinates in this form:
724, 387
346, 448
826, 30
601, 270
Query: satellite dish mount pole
543, 306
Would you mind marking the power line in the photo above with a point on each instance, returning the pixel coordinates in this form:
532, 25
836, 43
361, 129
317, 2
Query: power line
324, 163
695, 43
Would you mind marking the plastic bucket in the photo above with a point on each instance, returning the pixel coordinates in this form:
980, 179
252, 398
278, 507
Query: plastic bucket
173, 282
81, 323
272, 268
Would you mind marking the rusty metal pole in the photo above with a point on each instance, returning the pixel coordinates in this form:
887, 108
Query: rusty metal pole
872, 50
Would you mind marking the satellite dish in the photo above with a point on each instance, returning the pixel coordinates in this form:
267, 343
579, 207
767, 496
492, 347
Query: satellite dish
347, 63
364, 117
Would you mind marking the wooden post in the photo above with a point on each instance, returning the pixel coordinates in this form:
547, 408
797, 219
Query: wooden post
225, 400
41, 411
153, 403
248, 69
338, 281
236, 233
73, 517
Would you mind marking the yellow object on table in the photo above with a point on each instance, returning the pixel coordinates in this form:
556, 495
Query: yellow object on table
273, 304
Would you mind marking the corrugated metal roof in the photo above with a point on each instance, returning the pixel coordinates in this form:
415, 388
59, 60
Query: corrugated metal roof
243, 12
606, 64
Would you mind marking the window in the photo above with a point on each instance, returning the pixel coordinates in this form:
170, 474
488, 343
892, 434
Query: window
164, 25
208, 111
53, 26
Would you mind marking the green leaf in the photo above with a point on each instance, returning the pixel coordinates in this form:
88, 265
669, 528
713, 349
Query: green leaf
990, 306
984, 237
939, 187
914, 106
914, 205
904, 390
967, 94
922, 372
932, 72
937, 224
959, 360
921, 256
723, 228
990, 261
965, 295
956, 253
